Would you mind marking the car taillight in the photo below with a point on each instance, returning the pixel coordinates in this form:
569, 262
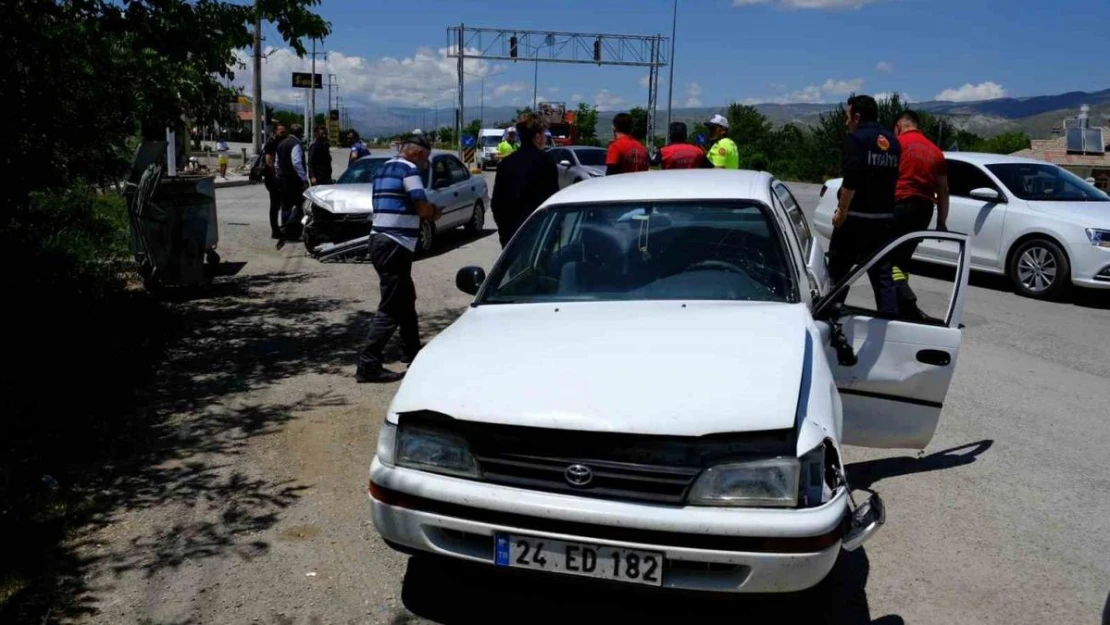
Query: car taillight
823, 189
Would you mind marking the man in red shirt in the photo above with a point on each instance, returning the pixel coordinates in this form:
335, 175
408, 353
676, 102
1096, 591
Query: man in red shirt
679, 154
922, 182
626, 154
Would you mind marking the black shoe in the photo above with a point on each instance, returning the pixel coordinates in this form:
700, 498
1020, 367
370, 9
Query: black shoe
408, 358
280, 244
275, 235
380, 376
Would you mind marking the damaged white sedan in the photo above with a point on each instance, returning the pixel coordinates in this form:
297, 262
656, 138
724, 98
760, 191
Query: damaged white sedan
658, 381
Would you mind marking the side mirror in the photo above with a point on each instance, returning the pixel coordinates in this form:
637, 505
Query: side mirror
470, 279
564, 163
986, 194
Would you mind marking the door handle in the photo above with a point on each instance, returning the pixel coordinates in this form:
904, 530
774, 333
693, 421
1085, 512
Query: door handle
936, 357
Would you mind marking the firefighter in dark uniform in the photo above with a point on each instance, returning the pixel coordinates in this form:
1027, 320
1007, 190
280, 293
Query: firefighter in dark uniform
864, 219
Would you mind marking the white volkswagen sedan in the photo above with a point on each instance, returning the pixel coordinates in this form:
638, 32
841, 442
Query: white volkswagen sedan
660, 384
1040, 225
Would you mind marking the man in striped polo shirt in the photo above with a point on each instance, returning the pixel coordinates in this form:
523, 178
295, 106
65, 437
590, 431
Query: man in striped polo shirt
399, 205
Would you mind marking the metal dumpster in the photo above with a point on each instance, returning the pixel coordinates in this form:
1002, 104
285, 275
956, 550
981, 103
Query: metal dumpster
173, 221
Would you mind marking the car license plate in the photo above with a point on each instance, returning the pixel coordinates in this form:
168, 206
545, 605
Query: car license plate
556, 556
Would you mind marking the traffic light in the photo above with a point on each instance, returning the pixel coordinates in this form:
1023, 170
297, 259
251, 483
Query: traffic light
512, 46
597, 49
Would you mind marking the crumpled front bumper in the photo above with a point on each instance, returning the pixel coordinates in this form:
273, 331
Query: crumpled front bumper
706, 549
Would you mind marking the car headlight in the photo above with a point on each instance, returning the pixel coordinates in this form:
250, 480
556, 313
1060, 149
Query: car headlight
387, 444
437, 452
758, 483
1098, 237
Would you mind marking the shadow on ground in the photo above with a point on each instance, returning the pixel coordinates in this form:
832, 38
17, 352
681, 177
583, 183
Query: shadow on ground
452, 240
144, 406
865, 474
447, 592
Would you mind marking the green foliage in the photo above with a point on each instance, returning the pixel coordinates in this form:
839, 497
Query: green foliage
445, 136
1007, 143
473, 129
521, 112
586, 120
639, 123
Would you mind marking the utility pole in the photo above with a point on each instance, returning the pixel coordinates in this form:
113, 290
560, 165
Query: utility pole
670, 73
312, 95
256, 123
459, 115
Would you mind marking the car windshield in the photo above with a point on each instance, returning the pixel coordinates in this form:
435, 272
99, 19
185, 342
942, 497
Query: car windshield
361, 171
634, 251
490, 141
591, 158
1042, 182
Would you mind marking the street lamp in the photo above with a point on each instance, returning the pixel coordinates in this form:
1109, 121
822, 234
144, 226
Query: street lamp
483, 78
548, 41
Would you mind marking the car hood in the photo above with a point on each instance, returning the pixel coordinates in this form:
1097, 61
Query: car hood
1086, 214
343, 198
664, 367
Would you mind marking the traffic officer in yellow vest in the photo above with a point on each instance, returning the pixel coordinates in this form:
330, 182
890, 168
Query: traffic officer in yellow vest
723, 152
507, 145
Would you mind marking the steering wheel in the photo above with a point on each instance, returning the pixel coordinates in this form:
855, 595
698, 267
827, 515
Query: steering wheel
716, 264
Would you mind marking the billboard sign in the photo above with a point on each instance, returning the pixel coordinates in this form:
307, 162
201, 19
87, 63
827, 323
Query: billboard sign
304, 80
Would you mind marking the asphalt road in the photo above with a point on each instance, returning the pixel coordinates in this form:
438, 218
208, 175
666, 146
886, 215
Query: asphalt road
260, 515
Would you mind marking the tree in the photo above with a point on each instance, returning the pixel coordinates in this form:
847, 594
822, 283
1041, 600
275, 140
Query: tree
521, 113
446, 136
586, 120
1007, 143
748, 128
473, 129
639, 123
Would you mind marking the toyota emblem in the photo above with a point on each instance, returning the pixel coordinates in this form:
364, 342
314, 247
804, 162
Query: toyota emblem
578, 475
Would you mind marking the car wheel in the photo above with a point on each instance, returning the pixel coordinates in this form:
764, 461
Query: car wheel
427, 237
477, 220
1040, 269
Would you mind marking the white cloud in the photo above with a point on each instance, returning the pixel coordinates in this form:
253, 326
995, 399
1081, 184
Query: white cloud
606, 100
971, 93
427, 77
842, 87
885, 95
693, 94
807, 4
576, 97
885, 66
645, 81
553, 90
509, 87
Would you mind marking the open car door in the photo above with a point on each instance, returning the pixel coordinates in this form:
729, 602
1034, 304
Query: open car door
893, 392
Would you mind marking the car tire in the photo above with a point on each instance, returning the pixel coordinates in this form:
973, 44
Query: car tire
427, 238
1039, 269
477, 221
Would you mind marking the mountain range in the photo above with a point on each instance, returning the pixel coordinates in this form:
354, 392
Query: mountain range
1036, 116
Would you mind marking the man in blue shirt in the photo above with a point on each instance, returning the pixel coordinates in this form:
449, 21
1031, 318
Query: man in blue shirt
399, 206
358, 148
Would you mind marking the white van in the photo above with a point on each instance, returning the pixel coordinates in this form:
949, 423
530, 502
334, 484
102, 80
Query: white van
486, 153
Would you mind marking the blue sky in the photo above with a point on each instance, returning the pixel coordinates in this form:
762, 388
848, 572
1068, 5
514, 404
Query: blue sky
391, 53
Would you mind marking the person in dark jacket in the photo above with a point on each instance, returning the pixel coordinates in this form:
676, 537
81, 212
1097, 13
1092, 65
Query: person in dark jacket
319, 158
269, 176
864, 218
292, 177
525, 179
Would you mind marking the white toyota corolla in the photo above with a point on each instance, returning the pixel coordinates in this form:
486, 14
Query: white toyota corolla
658, 382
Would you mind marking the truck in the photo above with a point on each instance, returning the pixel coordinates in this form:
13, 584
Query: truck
560, 122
